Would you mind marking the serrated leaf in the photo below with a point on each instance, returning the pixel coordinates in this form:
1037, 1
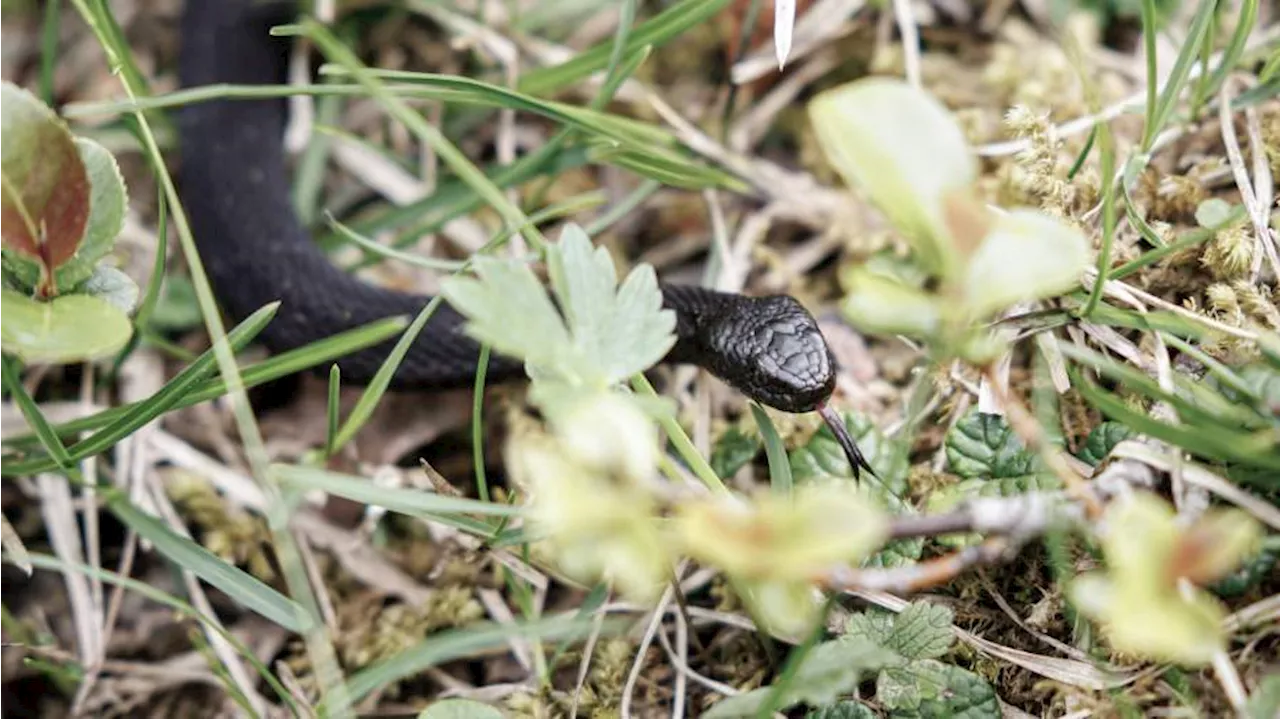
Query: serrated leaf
922, 631
734, 449
821, 458
460, 709
619, 331
71, 328
508, 308
874, 625
1102, 440
46, 192
113, 287
584, 281
611, 333
1051, 254
929, 689
842, 710
108, 202
829, 670
984, 446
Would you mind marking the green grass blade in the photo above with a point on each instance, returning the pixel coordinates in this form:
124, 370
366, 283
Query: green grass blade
655, 31
416, 503
460, 643
44, 431
1159, 112
779, 465
237, 584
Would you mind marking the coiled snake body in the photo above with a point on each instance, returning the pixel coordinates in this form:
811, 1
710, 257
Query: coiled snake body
235, 190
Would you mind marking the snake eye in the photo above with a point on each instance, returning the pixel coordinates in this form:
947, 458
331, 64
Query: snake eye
772, 350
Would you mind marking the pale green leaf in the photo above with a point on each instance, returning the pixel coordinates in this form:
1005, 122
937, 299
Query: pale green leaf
879, 304
1213, 212
1264, 703
1028, 255
508, 308
71, 328
901, 146
619, 331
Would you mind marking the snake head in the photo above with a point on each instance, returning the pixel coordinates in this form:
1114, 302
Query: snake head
770, 349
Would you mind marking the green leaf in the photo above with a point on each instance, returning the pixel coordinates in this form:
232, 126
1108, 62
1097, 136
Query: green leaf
238, 584
929, 689
46, 194
1051, 254
460, 709
618, 331
732, 451
922, 631
821, 458
111, 286
71, 328
108, 202
984, 446
874, 625
1102, 440
829, 670
842, 710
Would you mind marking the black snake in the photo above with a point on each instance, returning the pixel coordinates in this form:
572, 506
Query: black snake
235, 190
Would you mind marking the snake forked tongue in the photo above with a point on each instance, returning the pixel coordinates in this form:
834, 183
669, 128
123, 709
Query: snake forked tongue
857, 462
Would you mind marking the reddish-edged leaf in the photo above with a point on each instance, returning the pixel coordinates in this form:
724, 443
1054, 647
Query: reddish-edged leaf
46, 193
